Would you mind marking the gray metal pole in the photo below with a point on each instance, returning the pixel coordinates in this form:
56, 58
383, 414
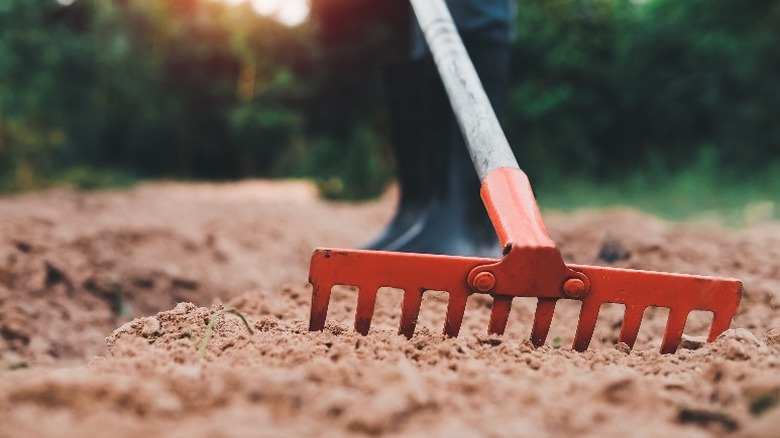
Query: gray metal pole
486, 142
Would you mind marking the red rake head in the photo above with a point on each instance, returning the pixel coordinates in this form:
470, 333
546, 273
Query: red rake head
594, 286
532, 267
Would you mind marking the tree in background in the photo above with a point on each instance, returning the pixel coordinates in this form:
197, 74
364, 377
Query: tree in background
602, 89
185, 88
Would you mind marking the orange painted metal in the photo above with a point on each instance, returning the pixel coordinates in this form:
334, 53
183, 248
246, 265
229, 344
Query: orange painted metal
532, 266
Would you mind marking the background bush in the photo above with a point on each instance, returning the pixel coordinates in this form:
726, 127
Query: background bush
602, 90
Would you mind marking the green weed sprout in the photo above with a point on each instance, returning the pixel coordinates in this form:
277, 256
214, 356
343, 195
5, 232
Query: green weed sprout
204, 344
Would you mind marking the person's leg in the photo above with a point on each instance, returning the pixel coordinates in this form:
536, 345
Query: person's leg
456, 222
404, 92
420, 150
439, 210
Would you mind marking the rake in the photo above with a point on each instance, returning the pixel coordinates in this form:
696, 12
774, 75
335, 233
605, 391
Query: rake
531, 265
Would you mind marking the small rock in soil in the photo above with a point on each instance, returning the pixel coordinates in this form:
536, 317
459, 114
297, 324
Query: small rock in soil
692, 342
744, 336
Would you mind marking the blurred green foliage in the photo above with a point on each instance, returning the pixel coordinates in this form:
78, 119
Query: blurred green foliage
603, 90
180, 88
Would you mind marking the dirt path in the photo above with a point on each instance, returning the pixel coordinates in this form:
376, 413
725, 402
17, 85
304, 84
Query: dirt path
74, 267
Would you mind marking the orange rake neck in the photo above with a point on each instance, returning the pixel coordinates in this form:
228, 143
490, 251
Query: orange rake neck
509, 199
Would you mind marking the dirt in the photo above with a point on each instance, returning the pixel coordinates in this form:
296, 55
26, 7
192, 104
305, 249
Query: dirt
106, 301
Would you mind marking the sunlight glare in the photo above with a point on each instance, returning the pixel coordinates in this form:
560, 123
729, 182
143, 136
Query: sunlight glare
288, 12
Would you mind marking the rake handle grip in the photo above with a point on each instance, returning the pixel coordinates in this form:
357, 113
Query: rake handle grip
486, 142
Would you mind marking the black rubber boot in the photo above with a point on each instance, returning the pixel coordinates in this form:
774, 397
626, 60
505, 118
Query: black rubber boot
452, 219
419, 152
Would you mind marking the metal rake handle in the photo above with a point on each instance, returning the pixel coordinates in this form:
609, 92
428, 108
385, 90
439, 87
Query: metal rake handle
506, 191
487, 144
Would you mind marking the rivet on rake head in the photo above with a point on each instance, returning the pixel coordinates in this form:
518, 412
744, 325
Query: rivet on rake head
574, 288
484, 282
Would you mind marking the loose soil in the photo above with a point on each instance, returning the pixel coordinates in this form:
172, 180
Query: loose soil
106, 299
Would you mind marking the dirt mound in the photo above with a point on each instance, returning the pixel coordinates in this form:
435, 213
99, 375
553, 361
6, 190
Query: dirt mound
74, 266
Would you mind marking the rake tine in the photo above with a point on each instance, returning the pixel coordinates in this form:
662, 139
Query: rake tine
502, 305
720, 323
545, 308
410, 311
365, 309
320, 298
632, 320
674, 331
589, 314
455, 310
